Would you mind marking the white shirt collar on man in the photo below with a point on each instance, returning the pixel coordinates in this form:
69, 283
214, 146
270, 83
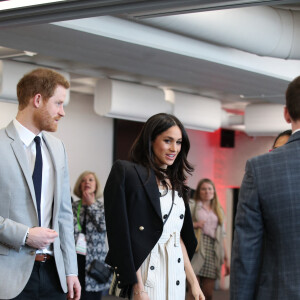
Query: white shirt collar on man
296, 130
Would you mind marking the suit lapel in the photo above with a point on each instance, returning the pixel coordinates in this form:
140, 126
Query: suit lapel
294, 137
19, 152
51, 150
150, 186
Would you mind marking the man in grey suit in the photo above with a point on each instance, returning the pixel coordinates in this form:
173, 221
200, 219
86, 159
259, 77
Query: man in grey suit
37, 250
266, 248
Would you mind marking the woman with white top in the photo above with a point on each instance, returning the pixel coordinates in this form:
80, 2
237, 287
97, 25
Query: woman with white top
149, 225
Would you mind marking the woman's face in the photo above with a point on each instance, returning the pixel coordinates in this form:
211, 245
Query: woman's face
166, 146
206, 192
88, 184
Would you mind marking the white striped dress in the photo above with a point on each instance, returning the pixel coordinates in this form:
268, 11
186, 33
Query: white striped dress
163, 270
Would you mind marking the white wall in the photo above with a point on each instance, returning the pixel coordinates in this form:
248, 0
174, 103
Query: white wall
8, 111
87, 136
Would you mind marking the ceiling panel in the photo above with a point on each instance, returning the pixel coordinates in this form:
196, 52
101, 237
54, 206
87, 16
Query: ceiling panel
75, 9
81, 52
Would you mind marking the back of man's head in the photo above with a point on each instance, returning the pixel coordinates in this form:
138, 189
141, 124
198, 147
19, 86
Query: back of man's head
293, 99
39, 81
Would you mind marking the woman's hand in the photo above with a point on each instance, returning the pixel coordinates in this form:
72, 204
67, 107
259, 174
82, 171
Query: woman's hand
87, 198
227, 267
139, 291
199, 224
141, 296
196, 291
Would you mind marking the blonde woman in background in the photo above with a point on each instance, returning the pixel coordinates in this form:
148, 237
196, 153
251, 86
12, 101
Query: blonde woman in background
90, 233
208, 218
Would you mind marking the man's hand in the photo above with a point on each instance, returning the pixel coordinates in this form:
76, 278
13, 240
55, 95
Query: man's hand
74, 288
40, 237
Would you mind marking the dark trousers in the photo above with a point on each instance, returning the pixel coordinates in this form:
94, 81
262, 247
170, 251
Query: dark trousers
81, 276
43, 283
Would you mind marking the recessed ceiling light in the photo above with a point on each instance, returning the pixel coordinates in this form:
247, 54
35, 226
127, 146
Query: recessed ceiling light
6, 5
261, 96
11, 54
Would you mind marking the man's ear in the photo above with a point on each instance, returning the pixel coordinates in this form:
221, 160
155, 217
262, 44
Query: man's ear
287, 115
37, 100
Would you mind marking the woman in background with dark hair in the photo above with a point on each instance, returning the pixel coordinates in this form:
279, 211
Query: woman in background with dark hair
149, 226
282, 139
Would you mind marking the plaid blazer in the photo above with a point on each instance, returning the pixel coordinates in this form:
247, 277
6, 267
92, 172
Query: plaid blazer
266, 248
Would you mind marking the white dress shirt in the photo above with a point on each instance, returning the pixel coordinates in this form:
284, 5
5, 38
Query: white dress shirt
47, 194
296, 131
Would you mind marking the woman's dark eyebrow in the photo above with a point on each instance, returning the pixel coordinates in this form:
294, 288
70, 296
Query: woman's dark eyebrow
169, 137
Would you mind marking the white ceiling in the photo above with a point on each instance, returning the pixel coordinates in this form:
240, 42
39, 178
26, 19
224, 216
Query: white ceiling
123, 47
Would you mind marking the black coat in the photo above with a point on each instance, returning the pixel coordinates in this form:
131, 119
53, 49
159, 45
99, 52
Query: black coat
133, 219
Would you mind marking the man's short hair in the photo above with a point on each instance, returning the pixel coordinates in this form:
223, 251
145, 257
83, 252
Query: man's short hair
39, 81
292, 96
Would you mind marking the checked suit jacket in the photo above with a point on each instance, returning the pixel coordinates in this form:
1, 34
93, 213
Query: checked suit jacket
18, 212
266, 250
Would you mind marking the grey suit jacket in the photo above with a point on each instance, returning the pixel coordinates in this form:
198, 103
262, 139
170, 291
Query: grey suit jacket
266, 249
18, 212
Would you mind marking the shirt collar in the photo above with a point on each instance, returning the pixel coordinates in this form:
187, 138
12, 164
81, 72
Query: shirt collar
25, 134
296, 130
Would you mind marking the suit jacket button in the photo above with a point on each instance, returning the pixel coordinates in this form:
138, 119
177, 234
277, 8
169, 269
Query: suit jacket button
116, 268
177, 282
181, 216
152, 268
141, 228
119, 282
118, 275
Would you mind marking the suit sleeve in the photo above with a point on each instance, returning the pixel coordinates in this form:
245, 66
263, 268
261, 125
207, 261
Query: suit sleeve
248, 239
120, 255
66, 225
12, 234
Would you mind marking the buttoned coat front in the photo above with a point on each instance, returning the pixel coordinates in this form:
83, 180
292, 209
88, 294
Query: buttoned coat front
18, 212
265, 256
133, 219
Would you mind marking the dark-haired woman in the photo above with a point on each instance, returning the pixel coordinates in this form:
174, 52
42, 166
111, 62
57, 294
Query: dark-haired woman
149, 225
282, 139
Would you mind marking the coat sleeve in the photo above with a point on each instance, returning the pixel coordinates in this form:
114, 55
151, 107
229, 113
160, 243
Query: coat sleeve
120, 255
187, 233
66, 224
248, 239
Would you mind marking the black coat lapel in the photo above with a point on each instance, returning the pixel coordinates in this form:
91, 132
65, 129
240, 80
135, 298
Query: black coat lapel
150, 186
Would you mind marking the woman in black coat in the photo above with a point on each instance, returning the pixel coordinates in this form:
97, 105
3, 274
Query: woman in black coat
149, 226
